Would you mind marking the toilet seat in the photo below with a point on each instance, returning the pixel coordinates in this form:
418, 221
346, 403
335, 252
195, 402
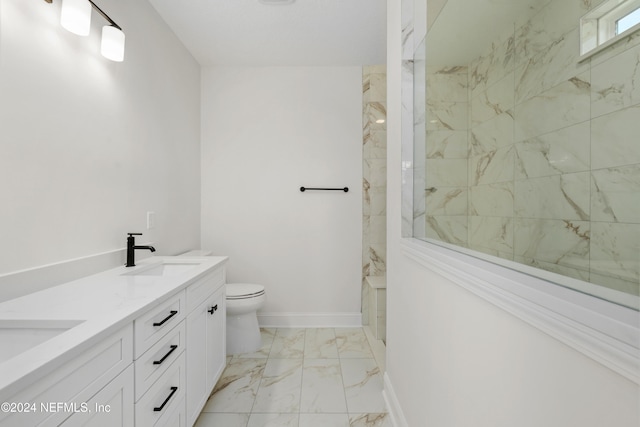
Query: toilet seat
237, 291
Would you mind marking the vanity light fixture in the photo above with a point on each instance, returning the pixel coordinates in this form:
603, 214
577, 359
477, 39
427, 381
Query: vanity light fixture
76, 17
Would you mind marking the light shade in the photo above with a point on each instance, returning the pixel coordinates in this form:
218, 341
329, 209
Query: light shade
112, 43
76, 16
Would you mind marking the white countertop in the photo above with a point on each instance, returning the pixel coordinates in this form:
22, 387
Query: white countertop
105, 302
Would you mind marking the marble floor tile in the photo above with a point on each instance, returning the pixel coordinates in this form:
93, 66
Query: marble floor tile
362, 383
219, 419
341, 386
322, 387
324, 420
236, 390
280, 387
288, 344
352, 343
370, 420
267, 335
320, 343
272, 420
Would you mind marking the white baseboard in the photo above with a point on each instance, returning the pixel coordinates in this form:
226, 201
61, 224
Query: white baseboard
393, 405
310, 320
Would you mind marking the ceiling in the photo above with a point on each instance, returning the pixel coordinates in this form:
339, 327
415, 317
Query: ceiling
305, 33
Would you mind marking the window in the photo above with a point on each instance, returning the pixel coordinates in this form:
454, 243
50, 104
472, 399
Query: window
628, 21
608, 23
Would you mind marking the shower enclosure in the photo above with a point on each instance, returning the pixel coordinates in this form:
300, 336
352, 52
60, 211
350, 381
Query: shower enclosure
525, 152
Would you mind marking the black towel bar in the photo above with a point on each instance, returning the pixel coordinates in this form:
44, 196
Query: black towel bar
345, 189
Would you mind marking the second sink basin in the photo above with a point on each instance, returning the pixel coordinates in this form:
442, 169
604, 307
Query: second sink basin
165, 268
18, 336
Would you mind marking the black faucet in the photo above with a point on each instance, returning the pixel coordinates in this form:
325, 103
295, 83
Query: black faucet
131, 247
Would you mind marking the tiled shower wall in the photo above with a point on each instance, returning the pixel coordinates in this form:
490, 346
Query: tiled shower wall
552, 164
374, 179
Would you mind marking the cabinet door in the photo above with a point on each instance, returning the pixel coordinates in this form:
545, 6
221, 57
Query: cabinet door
206, 351
216, 338
196, 353
110, 407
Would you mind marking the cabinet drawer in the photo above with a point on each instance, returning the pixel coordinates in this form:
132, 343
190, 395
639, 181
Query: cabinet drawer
74, 383
164, 396
199, 290
157, 322
110, 407
175, 419
155, 361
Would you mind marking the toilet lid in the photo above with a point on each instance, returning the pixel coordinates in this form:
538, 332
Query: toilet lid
244, 290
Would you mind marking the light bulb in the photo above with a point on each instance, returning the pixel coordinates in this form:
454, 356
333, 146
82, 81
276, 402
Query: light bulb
112, 46
76, 16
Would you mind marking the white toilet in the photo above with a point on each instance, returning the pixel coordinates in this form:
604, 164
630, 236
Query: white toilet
243, 301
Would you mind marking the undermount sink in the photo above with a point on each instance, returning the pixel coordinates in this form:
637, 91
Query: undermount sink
18, 336
165, 268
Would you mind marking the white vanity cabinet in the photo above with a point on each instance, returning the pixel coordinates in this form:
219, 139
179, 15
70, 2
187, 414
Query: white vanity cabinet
160, 342
206, 340
160, 352
93, 388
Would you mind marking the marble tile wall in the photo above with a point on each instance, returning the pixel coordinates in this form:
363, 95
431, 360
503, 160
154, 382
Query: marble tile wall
551, 151
374, 180
445, 190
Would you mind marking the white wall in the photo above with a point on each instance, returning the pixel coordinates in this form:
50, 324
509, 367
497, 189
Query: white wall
88, 146
266, 131
454, 359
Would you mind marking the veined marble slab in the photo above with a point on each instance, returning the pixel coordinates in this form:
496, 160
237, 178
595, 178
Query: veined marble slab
554, 64
449, 115
450, 229
377, 172
492, 232
493, 134
447, 86
615, 250
375, 144
615, 84
374, 111
561, 106
615, 194
553, 21
558, 152
614, 138
378, 200
322, 388
378, 259
496, 100
560, 196
374, 87
565, 243
280, 386
491, 199
495, 166
492, 66
626, 286
446, 201
555, 268
446, 173
447, 144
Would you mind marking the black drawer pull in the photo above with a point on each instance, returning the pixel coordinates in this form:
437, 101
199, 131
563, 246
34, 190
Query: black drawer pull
159, 362
173, 313
161, 407
213, 309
